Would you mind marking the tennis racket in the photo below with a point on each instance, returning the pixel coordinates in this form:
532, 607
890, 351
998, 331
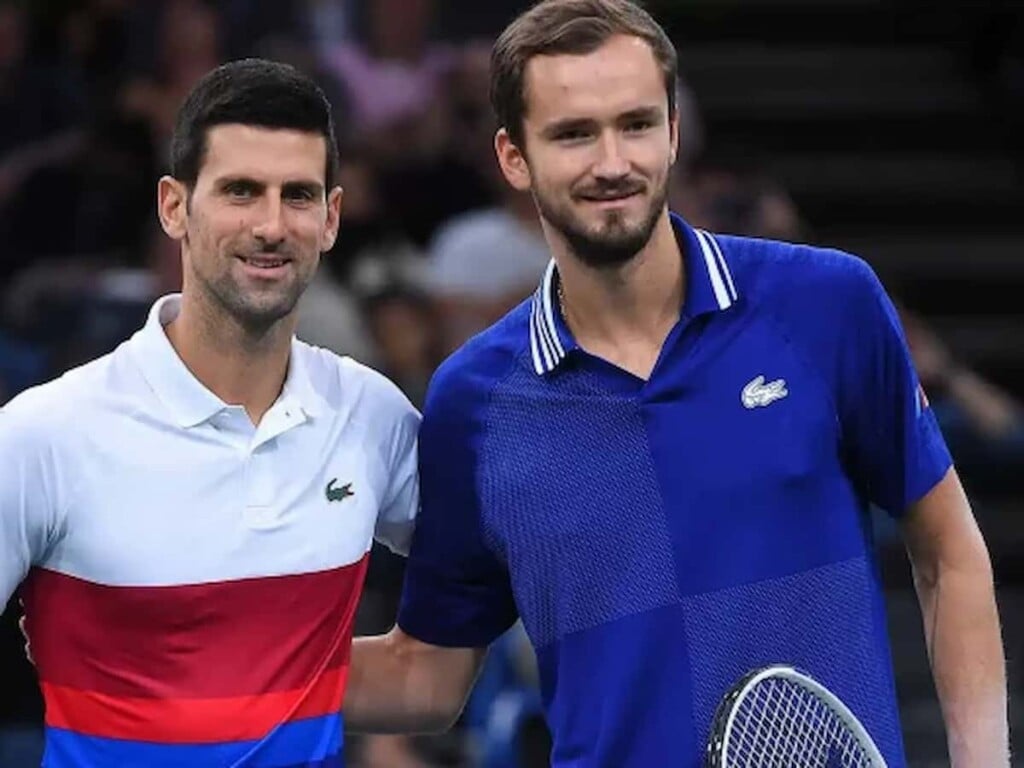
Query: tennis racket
779, 717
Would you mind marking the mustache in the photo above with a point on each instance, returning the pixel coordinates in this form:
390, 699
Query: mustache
614, 189
280, 249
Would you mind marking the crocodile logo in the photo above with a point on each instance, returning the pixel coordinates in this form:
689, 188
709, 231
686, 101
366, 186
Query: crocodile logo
338, 494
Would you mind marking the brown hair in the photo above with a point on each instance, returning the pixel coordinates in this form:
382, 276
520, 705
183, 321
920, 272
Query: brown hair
575, 27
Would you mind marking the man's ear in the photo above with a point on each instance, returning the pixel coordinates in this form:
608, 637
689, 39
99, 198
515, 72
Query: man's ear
673, 126
330, 234
512, 161
172, 207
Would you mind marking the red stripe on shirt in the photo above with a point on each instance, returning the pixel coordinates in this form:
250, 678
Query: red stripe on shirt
190, 721
223, 639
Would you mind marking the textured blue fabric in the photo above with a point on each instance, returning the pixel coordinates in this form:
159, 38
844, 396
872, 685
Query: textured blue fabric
660, 538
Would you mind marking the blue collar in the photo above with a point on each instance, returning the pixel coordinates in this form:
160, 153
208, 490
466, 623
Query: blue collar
709, 288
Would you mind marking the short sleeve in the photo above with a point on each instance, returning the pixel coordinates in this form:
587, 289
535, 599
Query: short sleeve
29, 503
891, 440
397, 515
457, 591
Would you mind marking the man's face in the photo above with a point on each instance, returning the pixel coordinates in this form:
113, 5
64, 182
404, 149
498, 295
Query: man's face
257, 221
599, 143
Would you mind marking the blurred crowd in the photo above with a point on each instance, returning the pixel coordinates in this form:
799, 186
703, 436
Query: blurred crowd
434, 246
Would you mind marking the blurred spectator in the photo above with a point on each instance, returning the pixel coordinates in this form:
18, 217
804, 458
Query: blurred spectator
482, 262
485, 262
734, 201
186, 44
471, 125
330, 318
249, 24
367, 241
983, 425
987, 411
43, 135
40, 96
91, 43
400, 111
393, 76
405, 330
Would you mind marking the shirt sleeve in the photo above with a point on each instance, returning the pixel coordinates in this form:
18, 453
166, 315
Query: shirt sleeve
457, 591
397, 515
891, 439
28, 501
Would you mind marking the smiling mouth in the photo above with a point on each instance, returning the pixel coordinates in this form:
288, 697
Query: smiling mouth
264, 263
613, 198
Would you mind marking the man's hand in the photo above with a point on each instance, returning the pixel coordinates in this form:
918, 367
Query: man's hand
24, 633
399, 684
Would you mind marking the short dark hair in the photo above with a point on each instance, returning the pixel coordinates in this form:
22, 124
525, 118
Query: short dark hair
555, 27
256, 92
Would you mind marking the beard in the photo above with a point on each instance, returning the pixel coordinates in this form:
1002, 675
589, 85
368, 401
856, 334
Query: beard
614, 241
255, 308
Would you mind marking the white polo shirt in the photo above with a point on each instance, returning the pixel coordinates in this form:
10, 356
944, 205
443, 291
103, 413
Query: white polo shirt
190, 579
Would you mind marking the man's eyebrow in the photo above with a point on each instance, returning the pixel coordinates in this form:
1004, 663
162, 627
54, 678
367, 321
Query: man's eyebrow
653, 114
305, 185
566, 125
226, 181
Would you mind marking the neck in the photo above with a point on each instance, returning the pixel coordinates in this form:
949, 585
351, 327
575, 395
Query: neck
638, 301
240, 366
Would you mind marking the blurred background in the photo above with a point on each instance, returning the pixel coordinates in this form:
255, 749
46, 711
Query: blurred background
891, 129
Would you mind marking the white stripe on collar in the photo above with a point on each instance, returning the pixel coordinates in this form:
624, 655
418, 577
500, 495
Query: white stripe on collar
718, 270
546, 347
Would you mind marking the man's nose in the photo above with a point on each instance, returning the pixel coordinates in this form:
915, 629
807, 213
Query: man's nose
270, 228
611, 162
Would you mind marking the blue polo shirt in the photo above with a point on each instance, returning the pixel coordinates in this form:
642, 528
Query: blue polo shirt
661, 538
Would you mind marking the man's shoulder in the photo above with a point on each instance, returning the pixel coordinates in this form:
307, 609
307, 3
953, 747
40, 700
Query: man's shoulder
774, 270
72, 394
342, 382
64, 406
821, 298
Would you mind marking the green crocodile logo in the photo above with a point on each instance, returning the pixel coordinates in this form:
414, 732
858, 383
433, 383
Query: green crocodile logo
339, 494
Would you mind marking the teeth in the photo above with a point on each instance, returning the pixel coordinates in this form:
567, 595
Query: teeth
264, 264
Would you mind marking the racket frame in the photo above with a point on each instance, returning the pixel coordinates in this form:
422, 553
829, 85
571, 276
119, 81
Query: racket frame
725, 718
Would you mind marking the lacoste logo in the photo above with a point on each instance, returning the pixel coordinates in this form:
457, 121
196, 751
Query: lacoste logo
338, 494
757, 394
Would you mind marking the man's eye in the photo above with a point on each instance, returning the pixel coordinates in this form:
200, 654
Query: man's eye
573, 135
638, 126
242, 191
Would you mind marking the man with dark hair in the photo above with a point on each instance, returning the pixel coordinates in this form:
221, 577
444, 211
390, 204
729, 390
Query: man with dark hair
190, 517
250, 92
663, 462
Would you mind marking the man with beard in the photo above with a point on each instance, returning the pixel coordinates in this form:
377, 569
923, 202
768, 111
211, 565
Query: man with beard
663, 462
190, 516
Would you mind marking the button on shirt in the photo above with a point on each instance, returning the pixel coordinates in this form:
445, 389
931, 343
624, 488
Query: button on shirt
190, 579
660, 538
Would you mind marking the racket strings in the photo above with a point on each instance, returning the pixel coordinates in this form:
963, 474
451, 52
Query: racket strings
783, 725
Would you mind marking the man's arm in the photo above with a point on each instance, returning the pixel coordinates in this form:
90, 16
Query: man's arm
899, 460
953, 578
399, 684
457, 597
